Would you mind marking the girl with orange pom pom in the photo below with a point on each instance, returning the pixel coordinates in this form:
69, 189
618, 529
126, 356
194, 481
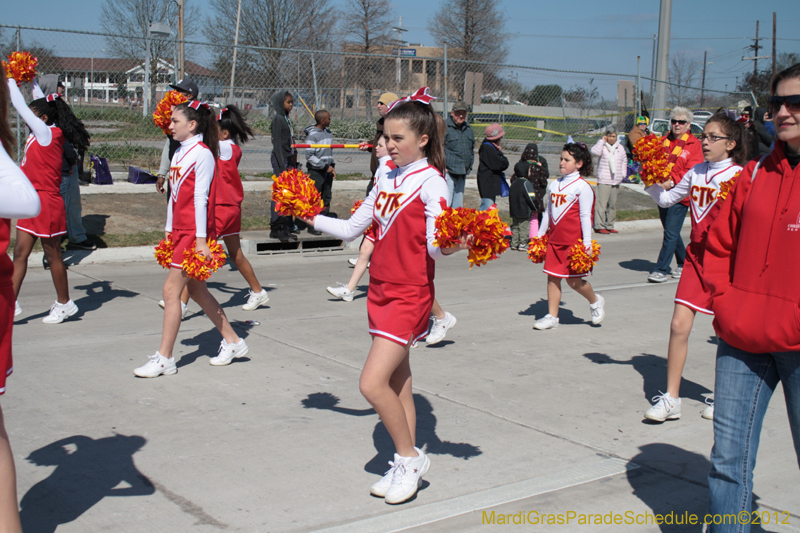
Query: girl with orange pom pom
190, 223
404, 206
233, 131
51, 122
568, 218
724, 150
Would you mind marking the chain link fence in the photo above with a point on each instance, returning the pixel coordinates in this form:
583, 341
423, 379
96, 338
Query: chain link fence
113, 85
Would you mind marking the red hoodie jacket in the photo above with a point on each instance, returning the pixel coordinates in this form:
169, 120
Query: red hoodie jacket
751, 259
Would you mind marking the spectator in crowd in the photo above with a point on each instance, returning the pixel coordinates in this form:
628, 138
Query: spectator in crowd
685, 152
383, 107
320, 160
638, 131
283, 157
758, 136
521, 207
612, 166
459, 152
70, 186
491, 164
189, 89
534, 167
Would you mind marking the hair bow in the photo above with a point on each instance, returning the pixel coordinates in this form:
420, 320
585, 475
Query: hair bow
221, 111
197, 104
420, 96
52, 97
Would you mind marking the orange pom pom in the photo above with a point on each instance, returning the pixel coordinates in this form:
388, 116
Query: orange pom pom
295, 195
163, 113
21, 66
488, 231
537, 248
579, 262
356, 205
200, 268
726, 186
654, 156
164, 251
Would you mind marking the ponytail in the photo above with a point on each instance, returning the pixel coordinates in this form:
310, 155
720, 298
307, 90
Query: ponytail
421, 120
60, 113
200, 112
231, 120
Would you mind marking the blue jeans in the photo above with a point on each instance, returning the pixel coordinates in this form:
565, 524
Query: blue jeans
455, 186
744, 385
672, 219
71, 193
486, 203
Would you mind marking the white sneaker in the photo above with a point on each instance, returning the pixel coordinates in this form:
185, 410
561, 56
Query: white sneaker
17, 309
657, 277
665, 408
548, 321
58, 312
229, 352
184, 308
156, 366
353, 261
439, 328
380, 487
407, 477
708, 412
676, 274
343, 292
598, 313
256, 299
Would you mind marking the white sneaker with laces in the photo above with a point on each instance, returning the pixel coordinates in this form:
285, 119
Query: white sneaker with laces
380, 487
256, 299
676, 274
708, 412
407, 477
156, 366
548, 321
17, 309
665, 408
58, 312
342, 291
598, 313
353, 261
229, 352
440, 327
184, 308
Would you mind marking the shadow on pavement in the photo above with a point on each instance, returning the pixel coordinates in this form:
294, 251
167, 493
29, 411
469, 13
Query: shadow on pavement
426, 431
238, 294
97, 294
653, 370
565, 316
208, 343
668, 483
87, 470
639, 265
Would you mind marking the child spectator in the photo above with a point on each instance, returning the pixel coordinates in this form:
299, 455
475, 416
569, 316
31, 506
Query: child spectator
534, 167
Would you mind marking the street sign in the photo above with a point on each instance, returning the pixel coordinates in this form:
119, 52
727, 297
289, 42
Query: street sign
405, 52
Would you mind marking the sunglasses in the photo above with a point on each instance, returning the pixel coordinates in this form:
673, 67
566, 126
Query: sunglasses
711, 137
792, 103
681, 122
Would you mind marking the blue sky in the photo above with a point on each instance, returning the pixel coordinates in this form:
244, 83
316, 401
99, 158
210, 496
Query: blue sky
577, 35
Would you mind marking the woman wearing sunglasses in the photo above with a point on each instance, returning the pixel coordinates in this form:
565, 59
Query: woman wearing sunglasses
685, 152
751, 259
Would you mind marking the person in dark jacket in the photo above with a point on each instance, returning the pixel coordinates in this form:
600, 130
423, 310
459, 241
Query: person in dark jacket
459, 152
534, 167
283, 157
521, 207
491, 164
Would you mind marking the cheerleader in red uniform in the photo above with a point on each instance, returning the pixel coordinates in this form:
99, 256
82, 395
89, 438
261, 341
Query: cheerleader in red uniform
403, 206
18, 199
567, 218
234, 131
190, 221
44, 151
724, 149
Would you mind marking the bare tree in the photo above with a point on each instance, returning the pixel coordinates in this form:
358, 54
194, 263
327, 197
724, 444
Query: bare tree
683, 71
473, 31
368, 28
129, 22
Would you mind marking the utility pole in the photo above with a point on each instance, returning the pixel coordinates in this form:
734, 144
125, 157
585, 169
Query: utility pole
662, 64
703, 86
774, 30
653, 68
181, 55
754, 47
235, 44
400, 42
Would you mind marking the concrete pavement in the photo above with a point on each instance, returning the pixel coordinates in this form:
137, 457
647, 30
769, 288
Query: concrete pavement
514, 420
